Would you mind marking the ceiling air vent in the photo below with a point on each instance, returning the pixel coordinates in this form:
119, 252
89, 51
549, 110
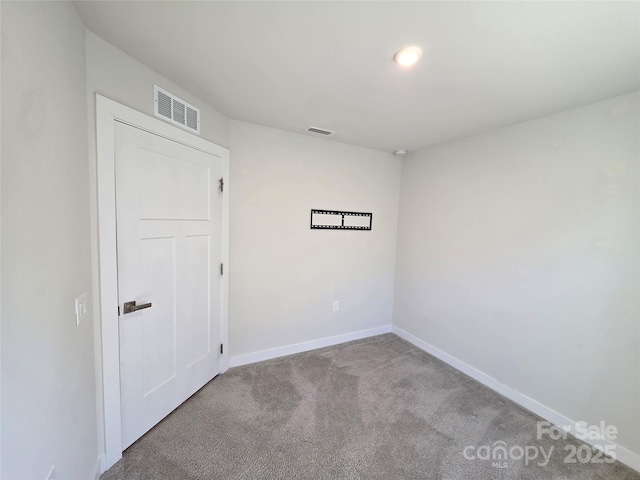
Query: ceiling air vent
175, 110
321, 131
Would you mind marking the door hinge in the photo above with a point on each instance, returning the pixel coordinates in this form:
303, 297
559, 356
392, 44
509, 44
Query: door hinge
221, 348
222, 269
222, 184
118, 310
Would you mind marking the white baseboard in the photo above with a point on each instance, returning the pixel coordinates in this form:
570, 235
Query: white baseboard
98, 468
623, 454
259, 356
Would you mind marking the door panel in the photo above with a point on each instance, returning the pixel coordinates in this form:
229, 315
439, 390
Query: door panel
173, 189
198, 297
157, 284
169, 251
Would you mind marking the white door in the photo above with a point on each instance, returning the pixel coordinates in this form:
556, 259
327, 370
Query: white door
169, 235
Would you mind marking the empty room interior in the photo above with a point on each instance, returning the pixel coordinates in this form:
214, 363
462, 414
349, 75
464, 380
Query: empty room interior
317, 240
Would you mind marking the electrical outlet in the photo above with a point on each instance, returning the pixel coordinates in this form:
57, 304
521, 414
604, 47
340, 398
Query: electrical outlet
81, 308
52, 473
336, 305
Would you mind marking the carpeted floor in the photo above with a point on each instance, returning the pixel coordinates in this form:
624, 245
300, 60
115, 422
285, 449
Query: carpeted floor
377, 408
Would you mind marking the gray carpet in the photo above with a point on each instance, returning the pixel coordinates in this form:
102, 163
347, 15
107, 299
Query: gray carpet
377, 408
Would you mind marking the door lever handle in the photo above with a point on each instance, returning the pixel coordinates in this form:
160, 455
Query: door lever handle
130, 307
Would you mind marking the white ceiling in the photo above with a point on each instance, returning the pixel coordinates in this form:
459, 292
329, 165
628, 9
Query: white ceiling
329, 64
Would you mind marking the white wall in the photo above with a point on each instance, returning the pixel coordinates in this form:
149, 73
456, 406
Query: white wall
518, 254
285, 276
118, 76
48, 392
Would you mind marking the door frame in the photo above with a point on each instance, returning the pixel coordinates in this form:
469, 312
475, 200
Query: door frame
108, 112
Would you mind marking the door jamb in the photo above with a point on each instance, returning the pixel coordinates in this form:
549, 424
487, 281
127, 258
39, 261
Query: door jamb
108, 113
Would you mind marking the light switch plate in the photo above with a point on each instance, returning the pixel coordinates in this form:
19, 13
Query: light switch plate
336, 305
81, 308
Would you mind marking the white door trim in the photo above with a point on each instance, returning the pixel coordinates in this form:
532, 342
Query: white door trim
107, 113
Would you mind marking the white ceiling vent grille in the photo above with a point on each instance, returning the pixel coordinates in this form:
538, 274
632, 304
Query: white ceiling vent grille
320, 131
175, 110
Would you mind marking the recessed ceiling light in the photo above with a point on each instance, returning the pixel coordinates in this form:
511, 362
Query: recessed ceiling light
400, 153
408, 56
